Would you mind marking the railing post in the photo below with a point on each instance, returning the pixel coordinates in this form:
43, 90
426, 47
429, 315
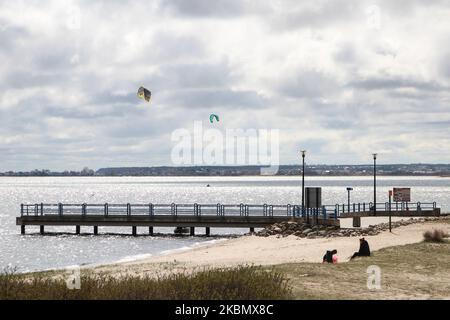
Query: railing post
21, 209
359, 207
288, 210
271, 210
128, 209
264, 210
105, 211
195, 209
335, 213
324, 212
307, 215
222, 208
150, 209
246, 210
172, 209
36, 210
241, 209
83, 209
42, 209
60, 209
218, 209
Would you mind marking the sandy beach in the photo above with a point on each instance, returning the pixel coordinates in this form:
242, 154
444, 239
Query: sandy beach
271, 250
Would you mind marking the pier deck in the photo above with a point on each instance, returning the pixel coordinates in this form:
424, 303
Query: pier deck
202, 215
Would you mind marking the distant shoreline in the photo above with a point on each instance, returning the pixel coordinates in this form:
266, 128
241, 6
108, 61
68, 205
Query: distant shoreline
225, 176
320, 170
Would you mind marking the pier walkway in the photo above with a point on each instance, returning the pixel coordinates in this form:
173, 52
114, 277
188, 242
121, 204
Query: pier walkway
204, 215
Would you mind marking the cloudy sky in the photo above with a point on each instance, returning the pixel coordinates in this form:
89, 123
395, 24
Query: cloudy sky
341, 79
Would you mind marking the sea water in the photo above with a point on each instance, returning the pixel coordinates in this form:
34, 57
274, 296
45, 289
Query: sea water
32, 251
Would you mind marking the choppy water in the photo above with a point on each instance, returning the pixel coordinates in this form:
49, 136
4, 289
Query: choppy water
35, 252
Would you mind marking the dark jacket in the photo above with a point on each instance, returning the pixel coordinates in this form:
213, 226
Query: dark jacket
364, 249
328, 257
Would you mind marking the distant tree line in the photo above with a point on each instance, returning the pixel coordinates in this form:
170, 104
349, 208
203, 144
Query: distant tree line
284, 170
47, 173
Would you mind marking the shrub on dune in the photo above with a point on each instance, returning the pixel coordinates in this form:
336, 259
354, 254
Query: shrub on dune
436, 235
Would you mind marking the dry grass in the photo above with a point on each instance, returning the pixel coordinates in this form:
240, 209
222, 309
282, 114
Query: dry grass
435, 235
241, 283
416, 271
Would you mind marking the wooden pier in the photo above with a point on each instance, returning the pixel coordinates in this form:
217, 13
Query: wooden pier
202, 215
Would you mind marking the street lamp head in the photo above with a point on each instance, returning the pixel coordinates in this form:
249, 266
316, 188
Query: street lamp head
349, 189
374, 155
303, 153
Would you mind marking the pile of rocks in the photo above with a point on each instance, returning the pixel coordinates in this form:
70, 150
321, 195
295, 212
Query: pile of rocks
303, 230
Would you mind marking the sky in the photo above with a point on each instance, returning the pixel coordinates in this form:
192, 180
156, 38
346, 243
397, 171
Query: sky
340, 79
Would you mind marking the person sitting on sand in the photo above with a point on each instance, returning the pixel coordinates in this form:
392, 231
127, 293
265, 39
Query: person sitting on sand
364, 250
330, 256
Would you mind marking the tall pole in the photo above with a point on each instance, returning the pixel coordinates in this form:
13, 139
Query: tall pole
374, 183
348, 203
303, 180
390, 211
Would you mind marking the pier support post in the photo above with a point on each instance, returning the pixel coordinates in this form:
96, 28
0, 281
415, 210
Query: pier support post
252, 229
77, 229
22, 229
96, 230
207, 231
356, 222
41, 229
192, 231
134, 230
150, 231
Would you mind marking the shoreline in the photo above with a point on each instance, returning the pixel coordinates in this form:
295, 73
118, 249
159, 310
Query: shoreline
266, 251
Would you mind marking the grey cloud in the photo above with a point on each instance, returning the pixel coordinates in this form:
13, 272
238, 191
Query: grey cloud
389, 83
165, 46
308, 84
206, 98
322, 14
205, 8
346, 54
198, 75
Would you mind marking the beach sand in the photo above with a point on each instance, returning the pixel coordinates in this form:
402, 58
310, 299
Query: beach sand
271, 250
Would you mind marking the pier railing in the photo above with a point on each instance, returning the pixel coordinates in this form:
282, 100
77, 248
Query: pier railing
340, 209
198, 209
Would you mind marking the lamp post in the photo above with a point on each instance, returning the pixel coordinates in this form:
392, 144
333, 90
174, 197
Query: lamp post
303, 152
374, 183
348, 190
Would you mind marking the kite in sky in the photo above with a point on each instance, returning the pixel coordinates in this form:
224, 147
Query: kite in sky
212, 117
144, 93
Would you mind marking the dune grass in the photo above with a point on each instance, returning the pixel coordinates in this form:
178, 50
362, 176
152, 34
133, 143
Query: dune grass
242, 283
435, 235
